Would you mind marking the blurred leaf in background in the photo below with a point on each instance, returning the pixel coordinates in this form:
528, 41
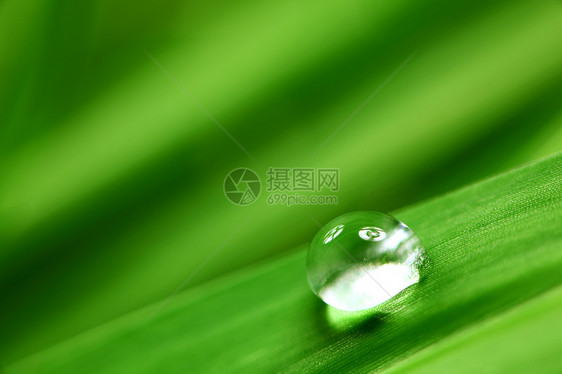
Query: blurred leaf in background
120, 120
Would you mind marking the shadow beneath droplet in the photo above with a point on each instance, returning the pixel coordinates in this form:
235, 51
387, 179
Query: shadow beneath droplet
334, 323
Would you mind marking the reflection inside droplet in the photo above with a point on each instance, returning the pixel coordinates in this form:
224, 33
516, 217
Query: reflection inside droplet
364, 286
333, 233
373, 234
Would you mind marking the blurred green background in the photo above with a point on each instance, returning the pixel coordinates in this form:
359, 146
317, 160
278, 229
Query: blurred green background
113, 149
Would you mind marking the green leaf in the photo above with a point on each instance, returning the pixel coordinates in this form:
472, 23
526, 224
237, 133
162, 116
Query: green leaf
525, 340
110, 188
491, 247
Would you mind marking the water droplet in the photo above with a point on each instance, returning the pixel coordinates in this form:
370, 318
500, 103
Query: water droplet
362, 259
